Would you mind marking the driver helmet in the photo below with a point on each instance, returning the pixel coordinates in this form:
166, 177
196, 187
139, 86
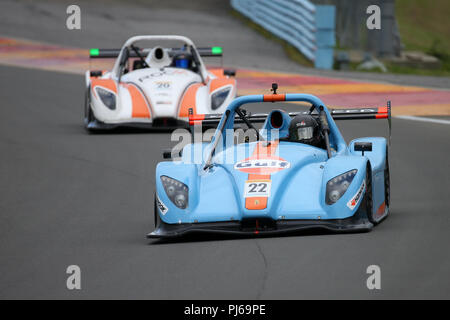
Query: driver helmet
181, 60
304, 129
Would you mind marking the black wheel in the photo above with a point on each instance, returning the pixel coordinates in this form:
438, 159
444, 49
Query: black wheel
88, 115
387, 181
368, 201
155, 211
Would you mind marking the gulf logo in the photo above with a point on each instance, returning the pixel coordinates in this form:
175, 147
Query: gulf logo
262, 165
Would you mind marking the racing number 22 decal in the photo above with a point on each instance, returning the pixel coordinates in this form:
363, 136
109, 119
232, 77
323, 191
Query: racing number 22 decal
255, 188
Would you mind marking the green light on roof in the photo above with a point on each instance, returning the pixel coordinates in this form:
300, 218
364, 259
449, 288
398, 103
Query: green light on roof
216, 50
94, 52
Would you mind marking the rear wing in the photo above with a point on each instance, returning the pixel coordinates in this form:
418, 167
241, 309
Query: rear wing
336, 114
114, 53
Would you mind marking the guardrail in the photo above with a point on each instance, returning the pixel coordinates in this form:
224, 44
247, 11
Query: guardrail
309, 28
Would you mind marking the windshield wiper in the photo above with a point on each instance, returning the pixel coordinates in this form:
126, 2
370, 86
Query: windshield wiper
248, 123
208, 163
123, 60
136, 50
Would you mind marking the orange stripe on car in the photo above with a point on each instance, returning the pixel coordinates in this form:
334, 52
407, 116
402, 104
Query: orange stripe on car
382, 110
189, 100
196, 119
274, 97
217, 72
140, 106
381, 209
218, 83
105, 83
256, 203
262, 149
265, 148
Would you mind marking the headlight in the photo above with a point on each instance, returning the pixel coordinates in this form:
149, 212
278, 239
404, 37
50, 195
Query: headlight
219, 97
108, 98
337, 186
177, 191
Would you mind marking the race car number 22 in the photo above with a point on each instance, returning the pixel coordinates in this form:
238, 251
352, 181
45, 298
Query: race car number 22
257, 189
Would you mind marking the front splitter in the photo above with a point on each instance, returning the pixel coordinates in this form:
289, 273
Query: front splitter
348, 225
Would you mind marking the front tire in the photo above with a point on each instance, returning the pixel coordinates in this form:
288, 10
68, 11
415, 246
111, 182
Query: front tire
88, 115
156, 213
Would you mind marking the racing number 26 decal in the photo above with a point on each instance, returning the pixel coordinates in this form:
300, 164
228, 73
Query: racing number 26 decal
161, 85
257, 189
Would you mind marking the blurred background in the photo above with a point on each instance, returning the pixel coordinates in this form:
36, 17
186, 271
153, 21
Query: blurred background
68, 197
412, 36
326, 34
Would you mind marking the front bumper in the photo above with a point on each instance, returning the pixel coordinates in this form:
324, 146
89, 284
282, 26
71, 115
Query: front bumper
359, 222
257, 227
158, 124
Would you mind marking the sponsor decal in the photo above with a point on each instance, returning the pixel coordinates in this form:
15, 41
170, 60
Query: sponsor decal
161, 85
163, 102
161, 206
355, 199
160, 73
268, 165
152, 75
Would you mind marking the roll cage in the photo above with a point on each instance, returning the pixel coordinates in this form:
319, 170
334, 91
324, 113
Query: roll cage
328, 126
129, 50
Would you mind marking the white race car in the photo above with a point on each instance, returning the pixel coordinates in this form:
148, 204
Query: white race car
155, 87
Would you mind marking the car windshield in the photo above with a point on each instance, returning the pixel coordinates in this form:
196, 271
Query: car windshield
169, 53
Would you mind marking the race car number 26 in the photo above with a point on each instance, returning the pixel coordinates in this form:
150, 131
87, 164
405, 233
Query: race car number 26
257, 189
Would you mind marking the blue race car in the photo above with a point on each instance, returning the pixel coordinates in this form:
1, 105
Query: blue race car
299, 174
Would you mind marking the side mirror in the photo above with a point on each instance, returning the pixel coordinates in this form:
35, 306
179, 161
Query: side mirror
229, 72
167, 154
363, 146
96, 73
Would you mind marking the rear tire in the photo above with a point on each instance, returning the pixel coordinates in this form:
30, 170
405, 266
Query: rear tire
387, 181
368, 200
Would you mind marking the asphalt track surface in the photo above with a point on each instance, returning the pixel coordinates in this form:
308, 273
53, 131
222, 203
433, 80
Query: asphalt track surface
73, 198
68, 197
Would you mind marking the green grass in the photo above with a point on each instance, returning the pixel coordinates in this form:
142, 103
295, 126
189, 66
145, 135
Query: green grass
424, 24
392, 68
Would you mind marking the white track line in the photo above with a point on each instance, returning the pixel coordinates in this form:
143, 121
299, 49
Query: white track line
424, 119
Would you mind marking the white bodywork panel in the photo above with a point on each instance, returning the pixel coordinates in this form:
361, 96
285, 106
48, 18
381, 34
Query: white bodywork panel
163, 88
